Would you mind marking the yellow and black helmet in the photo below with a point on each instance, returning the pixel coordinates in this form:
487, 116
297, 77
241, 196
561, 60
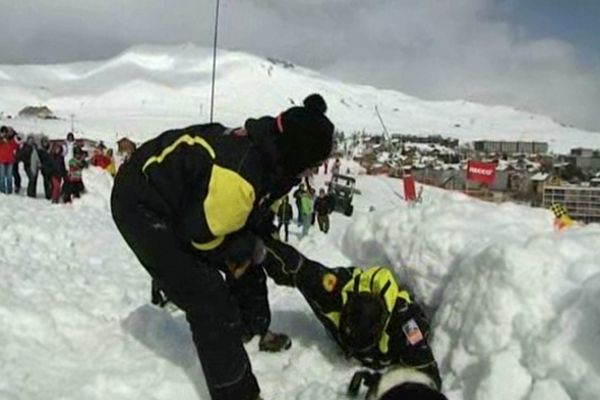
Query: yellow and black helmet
362, 322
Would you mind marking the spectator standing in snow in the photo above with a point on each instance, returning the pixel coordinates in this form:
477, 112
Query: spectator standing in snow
306, 211
16, 174
58, 171
337, 165
298, 200
32, 163
8, 149
313, 196
111, 168
69, 147
323, 208
74, 185
284, 216
44, 154
104, 160
99, 159
326, 167
191, 204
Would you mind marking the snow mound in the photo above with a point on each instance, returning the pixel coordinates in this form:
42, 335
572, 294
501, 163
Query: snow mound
514, 304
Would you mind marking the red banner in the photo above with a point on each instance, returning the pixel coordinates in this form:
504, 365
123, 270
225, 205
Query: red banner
481, 172
410, 194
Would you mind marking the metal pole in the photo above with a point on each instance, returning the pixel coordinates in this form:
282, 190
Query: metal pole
214, 66
386, 134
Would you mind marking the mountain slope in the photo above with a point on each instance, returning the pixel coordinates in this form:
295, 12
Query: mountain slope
148, 89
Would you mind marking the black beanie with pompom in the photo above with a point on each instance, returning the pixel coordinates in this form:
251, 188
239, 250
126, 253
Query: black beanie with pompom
304, 135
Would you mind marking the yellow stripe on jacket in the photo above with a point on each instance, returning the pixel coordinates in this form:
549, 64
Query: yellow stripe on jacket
229, 199
185, 139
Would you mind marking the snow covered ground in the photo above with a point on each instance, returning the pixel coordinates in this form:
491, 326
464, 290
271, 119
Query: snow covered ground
149, 89
515, 304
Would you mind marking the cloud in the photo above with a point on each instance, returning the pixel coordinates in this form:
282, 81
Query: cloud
436, 49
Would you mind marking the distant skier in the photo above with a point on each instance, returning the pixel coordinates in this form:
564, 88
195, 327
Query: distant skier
367, 313
193, 202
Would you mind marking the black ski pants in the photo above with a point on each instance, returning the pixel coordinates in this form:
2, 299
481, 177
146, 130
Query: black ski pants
195, 287
47, 185
17, 176
32, 184
251, 295
286, 229
323, 220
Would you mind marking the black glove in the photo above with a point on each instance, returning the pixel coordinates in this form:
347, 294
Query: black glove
261, 221
368, 378
240, 247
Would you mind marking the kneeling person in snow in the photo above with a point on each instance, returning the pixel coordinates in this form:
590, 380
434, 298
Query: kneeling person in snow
191, 204
366, 312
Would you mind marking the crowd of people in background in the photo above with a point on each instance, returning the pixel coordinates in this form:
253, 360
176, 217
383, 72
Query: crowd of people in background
60, 163
310, 209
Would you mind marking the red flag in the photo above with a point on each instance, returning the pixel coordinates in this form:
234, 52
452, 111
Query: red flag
481, 172
410, 194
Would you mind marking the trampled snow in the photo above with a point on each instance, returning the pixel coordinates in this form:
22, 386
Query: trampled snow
514, 303
149, 89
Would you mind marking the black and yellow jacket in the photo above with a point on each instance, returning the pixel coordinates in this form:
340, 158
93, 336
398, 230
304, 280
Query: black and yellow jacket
405, 337
210, 182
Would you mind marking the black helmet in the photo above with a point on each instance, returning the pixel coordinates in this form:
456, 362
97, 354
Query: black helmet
412, 391
362, 322
399, 383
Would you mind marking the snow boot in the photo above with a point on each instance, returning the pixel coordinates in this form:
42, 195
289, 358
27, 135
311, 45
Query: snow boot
274, 342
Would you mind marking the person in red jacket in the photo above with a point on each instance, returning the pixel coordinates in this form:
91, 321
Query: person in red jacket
99, 159
8, 148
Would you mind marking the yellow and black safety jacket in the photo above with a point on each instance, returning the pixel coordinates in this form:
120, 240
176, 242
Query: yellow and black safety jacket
209, 182
406, 331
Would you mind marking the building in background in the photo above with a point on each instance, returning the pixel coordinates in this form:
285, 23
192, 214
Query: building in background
506, 147
587, 160
582, 203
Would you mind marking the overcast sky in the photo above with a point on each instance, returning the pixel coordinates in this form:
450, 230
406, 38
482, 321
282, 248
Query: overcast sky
539, 55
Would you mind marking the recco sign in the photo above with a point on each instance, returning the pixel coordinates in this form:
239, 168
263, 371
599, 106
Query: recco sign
481, 172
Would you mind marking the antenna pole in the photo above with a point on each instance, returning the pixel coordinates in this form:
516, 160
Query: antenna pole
214, 65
